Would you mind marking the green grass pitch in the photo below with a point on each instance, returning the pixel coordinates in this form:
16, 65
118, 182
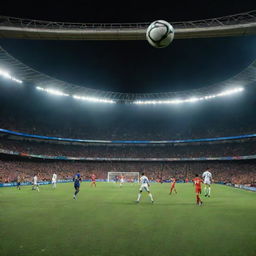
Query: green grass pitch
107, 221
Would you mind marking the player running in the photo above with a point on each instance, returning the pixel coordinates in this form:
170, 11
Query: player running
35, 184
121, 181
77, 179
93, 183
173, 186
54, 180
207, 176
144, 185
197, 183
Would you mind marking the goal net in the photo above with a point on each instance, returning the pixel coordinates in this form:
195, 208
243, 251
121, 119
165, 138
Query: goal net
127, 176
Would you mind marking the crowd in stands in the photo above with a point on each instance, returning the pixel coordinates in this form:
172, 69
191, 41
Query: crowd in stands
123, 132
130, 124
235, 172
35, 113
235, 148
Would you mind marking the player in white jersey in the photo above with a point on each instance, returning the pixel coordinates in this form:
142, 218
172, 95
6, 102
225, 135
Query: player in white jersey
144, 185
54, 180
207, 176
35, 184
121, 181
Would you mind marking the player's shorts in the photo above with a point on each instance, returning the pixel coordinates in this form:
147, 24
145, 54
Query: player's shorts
198, 190
35, 184
18, 183
93, 181
145, 187
173, 185
53, 181
122, 181
77, 187
207, 181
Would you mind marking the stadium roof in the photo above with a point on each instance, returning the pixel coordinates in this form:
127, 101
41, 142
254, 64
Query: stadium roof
231, 25
38, 79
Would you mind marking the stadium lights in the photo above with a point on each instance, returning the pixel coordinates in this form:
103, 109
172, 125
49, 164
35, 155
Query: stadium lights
144, 102
60, 93
193, 99
7, 75
93, 99
52, 91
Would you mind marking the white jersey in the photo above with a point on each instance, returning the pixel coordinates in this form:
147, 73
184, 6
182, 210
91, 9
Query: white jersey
144, 180
35, 180
54, 177
207, 177
144, 183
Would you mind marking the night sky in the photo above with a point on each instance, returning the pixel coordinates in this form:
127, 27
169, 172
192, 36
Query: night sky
134, 66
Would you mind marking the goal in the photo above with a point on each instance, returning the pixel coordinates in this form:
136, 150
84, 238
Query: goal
128, 176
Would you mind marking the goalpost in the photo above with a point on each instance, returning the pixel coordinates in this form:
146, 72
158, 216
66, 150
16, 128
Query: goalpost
131, 177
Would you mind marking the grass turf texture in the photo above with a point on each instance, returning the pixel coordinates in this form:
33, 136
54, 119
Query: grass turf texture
107, 221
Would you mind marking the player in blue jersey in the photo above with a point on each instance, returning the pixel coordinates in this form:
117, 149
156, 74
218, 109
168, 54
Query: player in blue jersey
77, 179
18, 182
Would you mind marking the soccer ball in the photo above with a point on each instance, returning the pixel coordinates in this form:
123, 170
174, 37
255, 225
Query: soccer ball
160, 33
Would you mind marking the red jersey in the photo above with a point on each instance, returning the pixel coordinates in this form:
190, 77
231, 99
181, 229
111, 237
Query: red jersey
197, 181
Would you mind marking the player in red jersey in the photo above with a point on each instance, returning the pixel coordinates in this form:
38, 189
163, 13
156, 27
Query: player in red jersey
173, 186
93, 177
197, 183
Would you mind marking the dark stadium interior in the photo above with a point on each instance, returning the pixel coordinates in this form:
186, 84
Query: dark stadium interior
139, 68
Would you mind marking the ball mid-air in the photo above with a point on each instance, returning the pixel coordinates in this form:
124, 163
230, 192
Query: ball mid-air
160, 33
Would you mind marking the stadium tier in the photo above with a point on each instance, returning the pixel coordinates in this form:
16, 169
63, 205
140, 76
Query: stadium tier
33, 148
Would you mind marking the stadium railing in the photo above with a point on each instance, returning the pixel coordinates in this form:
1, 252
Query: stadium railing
8, 132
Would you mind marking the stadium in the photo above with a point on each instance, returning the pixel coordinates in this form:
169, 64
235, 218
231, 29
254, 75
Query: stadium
109, 146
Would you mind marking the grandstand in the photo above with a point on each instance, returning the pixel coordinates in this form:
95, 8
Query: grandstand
223, 139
